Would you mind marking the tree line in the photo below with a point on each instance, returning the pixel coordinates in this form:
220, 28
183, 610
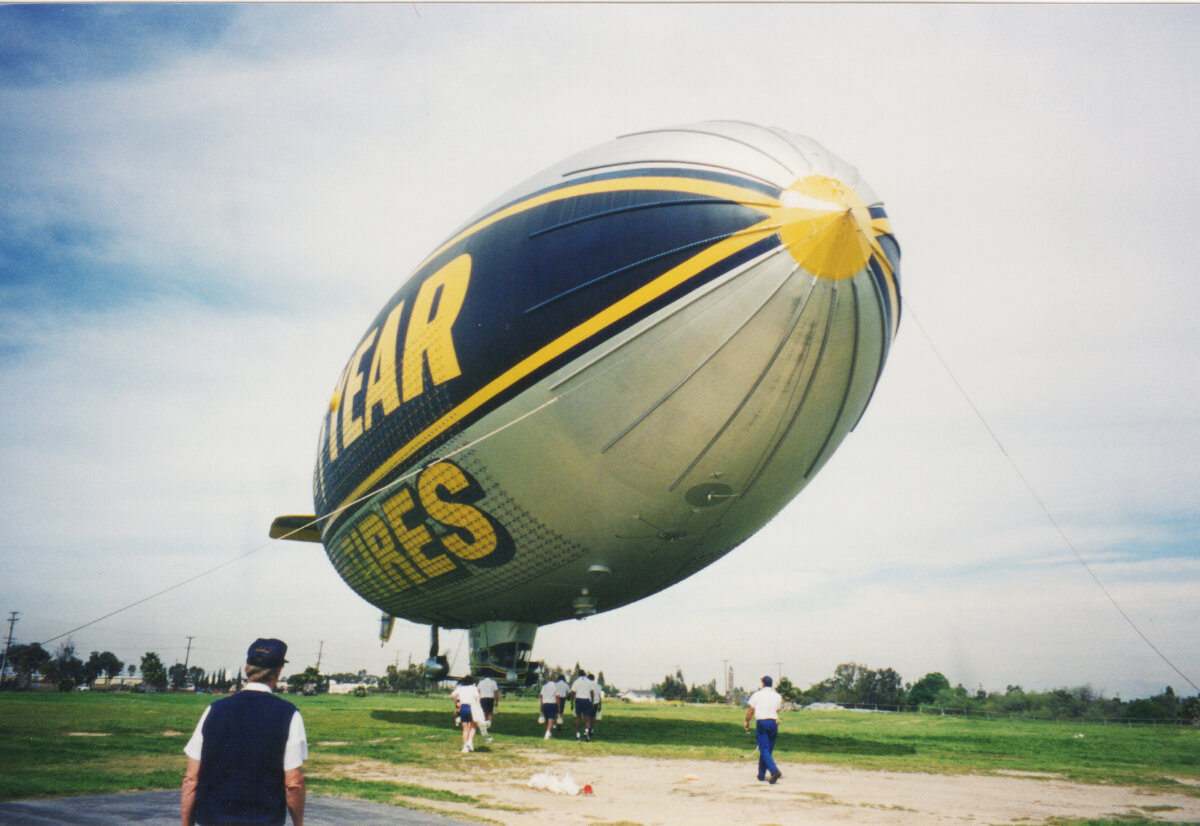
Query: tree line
857, 686
27, 664
851, 685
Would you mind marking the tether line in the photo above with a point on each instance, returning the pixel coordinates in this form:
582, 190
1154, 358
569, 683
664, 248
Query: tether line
1045, 510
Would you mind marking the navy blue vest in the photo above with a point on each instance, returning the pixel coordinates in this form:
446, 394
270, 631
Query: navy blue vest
241, 761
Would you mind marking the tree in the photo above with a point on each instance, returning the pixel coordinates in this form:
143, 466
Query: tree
704, 693
110, 665
195, 677
154, 674
309, 681
91, 668
177, 674
220, 681
65, 669
671, 688
101, 663
954, 698
927, 688
25, 661
884, 687
411, 678
608, 689
1189, 710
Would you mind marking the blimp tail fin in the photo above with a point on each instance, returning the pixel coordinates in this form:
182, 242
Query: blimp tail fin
297, 528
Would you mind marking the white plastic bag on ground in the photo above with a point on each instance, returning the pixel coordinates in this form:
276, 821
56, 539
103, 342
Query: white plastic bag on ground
552, 783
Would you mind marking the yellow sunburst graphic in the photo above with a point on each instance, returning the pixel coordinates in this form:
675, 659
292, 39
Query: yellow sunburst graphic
827, 228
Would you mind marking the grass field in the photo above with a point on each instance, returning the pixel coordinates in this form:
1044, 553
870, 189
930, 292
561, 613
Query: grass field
90, 743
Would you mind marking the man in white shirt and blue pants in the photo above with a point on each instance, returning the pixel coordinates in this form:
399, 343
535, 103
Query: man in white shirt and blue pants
764, 707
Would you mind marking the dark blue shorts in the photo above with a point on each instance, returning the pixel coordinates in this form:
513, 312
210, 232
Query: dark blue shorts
487, 704
583, 708
464, 713
550, 710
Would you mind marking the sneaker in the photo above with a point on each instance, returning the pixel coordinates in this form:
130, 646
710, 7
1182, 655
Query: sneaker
576, 735
762, 778
587, 737
465, 749
547, 737
775, 775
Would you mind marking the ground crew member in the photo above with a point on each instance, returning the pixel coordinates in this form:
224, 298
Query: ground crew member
764, 709
246, 756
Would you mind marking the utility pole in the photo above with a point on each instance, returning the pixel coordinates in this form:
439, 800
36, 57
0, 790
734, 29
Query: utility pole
725, 668
12, 619
320, 651
187, 656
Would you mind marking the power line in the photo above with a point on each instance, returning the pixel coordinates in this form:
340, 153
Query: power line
1045, 510
313, 523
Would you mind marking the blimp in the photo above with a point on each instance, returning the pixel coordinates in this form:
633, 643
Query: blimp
602, 382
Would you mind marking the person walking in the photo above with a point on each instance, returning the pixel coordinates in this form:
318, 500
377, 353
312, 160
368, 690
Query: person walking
763, 708
468, 709
246, 756
489, 700
549, 701
581, 690
563, 689
597, 698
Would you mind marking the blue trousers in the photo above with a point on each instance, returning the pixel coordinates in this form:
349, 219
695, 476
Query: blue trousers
765, 731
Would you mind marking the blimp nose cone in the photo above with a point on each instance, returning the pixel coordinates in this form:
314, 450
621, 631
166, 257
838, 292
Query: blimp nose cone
826, 227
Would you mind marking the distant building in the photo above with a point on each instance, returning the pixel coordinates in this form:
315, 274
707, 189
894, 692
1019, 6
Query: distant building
639, 696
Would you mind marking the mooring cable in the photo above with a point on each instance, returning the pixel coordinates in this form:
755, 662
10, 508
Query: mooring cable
1032, 492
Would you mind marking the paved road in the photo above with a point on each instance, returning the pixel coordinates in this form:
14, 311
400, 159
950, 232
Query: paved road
162, 809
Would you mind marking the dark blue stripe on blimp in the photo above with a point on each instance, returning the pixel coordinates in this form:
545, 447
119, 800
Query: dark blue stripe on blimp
542, 257
731, 178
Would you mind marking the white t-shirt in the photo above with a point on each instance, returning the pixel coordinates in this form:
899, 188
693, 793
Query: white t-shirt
549, 693
582, 688
488, 688
765, 702
561, 688
294, 753
467, 695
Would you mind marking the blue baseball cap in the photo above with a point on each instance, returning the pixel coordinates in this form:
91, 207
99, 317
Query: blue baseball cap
767, 681
267, 653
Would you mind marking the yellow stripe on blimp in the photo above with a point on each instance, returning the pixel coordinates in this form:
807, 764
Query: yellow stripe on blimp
710, 256
657, 183
810, 233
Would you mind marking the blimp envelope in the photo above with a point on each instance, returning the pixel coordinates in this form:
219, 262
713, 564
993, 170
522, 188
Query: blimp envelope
606, 379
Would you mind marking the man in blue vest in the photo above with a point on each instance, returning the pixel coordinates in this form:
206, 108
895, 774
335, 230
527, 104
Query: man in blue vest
246, 757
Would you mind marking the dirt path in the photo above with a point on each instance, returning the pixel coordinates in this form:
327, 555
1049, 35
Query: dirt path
643, 792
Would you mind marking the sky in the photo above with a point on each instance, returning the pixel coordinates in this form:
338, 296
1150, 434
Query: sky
202, 207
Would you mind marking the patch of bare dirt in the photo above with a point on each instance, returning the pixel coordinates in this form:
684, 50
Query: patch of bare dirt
652, 792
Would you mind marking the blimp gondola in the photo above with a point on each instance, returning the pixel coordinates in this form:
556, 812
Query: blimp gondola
603, 382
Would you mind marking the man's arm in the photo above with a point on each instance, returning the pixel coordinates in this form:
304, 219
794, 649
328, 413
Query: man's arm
293, 782
187, 796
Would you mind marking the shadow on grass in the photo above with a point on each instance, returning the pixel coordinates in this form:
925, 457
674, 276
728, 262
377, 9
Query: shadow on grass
649, 730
